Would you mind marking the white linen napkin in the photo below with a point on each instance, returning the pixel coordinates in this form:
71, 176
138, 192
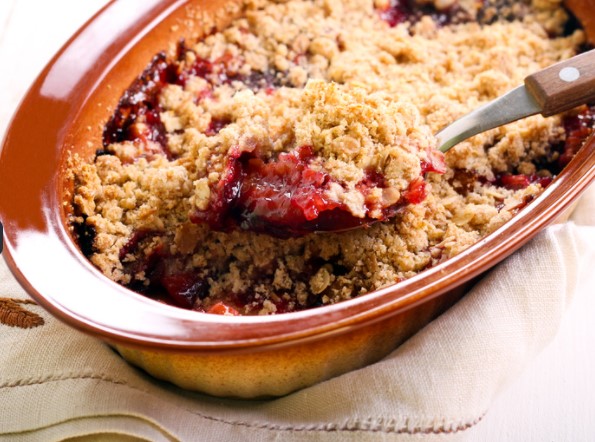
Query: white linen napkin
57, 383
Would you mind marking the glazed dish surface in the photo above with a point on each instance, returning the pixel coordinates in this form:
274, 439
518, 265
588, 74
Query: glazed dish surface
228, 159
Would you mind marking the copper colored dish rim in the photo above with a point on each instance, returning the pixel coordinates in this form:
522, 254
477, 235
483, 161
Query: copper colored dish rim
46, 262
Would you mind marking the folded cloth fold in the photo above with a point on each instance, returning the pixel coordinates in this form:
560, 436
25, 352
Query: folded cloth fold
57, 383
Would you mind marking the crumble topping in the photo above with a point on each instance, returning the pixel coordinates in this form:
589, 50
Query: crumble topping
334, 103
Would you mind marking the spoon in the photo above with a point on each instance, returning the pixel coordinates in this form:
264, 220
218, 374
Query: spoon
553, 90
279, 208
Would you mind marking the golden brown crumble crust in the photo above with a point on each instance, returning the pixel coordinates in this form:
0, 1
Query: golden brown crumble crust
363, 94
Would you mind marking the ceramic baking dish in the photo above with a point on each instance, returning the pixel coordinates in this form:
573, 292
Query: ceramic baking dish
225, 356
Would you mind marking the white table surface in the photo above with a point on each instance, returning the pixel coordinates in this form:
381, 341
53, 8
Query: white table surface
553, 400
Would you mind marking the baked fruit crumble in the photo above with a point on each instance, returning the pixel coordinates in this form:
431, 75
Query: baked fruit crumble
288, 161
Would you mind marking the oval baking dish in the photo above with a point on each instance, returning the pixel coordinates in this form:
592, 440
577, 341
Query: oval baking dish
226, 356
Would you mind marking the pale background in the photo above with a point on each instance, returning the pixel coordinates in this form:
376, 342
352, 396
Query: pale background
554, 399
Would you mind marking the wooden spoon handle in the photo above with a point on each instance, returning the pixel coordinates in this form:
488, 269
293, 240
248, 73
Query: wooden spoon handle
564, 85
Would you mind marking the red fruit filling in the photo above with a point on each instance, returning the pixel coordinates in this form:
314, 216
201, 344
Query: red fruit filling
216, 125
137, 117
520, 181
135, 242
397, 12
412, 11
222, 309
401, 11
180, 288
578, 128
435, 162
184, 288
287, 197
